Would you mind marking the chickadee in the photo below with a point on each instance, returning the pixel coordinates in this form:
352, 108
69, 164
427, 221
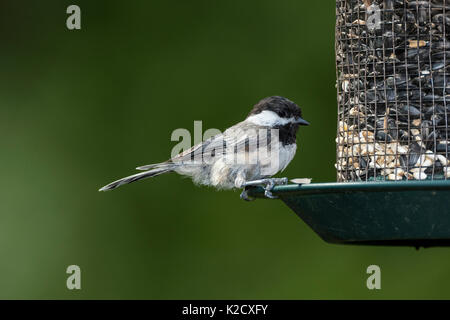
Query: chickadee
246, 154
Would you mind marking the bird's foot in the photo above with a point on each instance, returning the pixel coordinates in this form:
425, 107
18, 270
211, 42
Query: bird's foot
244, 195
268, 185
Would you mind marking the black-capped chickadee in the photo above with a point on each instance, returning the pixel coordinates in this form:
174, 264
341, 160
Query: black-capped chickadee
246, 154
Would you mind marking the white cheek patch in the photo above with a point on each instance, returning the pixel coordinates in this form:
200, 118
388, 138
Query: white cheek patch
286, 155
269, 118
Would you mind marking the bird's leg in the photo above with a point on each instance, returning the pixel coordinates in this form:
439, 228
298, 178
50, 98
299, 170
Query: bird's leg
244, 195
271, 183
240, 183
268, 183
268, 189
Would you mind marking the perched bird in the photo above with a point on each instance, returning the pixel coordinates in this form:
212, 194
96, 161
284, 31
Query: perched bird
246, 154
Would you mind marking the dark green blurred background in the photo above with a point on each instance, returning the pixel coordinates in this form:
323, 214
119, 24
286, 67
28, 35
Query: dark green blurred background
81, 108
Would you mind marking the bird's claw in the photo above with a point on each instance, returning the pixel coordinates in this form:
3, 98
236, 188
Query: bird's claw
268, 184
269, 194
244, 195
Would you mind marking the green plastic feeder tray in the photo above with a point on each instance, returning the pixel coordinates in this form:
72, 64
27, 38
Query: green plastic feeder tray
407, 213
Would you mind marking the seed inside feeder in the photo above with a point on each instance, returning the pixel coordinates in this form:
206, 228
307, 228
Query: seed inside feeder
393, 87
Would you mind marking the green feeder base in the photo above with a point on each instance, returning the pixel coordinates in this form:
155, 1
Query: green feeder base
404, 213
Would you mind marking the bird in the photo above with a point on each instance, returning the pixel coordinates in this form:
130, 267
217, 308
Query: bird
247, 154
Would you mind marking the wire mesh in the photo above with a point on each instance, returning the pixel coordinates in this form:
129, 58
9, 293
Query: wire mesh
392, 86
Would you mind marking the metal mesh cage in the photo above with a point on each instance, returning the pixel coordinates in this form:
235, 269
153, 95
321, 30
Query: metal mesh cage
391, 61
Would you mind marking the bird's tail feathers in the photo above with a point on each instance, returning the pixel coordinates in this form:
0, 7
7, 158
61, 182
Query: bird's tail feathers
153, 166
136, 177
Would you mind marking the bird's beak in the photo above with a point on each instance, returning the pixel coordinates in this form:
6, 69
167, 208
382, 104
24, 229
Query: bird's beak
302, 122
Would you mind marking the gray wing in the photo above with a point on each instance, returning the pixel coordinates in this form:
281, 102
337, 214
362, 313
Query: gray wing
195, 154
241, 143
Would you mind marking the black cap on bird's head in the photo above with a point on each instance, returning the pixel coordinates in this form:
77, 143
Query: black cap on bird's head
284, 108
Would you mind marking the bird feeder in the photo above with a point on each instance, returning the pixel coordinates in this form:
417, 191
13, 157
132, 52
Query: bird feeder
392, 144
391, 58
